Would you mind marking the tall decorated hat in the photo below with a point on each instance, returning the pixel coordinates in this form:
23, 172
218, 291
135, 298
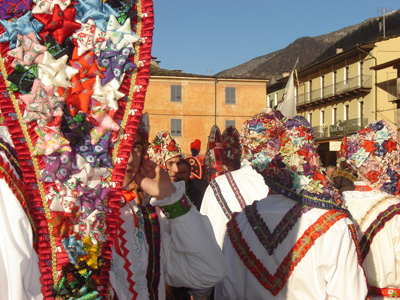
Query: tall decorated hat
285, 152
214, 158
374, 153
232, 147
73, 80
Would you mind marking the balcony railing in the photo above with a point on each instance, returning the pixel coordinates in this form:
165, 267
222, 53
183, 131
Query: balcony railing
340, 88
341, 128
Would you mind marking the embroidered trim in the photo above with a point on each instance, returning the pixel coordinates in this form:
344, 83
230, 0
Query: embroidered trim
177, 209
236, 190
271, 240
386, 292
353, 234
364, 218
323, 201
375, 227
220, 199
153, 237
275, 283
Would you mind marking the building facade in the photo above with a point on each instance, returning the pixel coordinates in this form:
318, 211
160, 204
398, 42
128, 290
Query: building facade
347, 91
189, 105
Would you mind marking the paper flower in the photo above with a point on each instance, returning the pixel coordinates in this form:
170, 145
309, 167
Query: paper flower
95, 10
103, 122
97, 155
115, 61
23, 25
22, 79
48, 6
50, 140
60, 24
92, 198
75, 128
91, 226
107, 94
14, 8
42, 104
87, 175
58, 166
121, 36
55, 71
28, 50
74, 248
80, 93
89, 37
63, 196
59, 50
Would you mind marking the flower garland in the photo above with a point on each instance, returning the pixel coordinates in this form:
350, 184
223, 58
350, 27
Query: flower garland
73, 80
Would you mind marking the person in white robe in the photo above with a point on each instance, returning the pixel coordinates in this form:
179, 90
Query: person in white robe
375, 204
298, 243
166, 241
19, 266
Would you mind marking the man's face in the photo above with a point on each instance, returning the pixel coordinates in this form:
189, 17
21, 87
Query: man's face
134, 159
183, 173
172, 168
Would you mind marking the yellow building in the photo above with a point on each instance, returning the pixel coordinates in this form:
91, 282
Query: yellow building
188, 105
347, 91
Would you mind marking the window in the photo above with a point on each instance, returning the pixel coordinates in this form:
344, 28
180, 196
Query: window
322, 117
346, 112
230, 95
322, 85
360, 73
309, 90
230, 123
334, 115
346, 75
310, 118
276, 100
334, 78
268, 100
176, 127
176, 93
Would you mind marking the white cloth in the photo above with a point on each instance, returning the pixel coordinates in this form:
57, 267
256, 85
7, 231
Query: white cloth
190, 256
251, 186
19, 267
329, 270
382, 264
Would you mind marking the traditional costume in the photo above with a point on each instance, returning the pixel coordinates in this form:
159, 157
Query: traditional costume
375, 206
73, 80
163, 148
163, 242
300, 242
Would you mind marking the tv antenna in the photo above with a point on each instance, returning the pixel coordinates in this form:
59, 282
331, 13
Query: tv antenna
383, 11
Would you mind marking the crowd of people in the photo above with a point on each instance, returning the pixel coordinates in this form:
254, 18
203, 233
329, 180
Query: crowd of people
91, 208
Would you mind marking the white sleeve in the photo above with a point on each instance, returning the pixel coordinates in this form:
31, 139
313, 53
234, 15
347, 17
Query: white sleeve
19, 268
192, 257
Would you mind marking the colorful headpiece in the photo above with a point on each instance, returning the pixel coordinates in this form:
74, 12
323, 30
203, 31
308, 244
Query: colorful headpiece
195, 147
163, 148
232, 147
214, 159
284, 151
374, 153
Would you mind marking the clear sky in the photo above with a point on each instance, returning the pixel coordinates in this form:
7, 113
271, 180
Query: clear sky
207, 36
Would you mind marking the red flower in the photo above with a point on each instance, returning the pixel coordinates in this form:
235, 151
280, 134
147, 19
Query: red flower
373, 176
390, 145
369, 146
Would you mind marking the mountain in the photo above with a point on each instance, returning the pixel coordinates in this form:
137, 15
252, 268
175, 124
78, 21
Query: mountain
313, 49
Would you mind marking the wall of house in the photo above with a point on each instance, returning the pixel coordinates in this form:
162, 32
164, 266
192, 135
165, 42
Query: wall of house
202, 106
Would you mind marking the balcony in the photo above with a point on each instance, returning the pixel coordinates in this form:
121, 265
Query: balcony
338, 91
341, 128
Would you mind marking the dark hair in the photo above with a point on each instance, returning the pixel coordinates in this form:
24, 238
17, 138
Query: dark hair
185, 162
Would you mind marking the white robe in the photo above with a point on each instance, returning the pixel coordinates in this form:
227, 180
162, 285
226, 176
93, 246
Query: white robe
382, 263
19, 268
252, 187
190, 256
329, 270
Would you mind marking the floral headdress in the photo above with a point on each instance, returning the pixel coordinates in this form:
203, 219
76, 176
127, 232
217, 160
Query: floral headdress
232, 147
73, 80
374, 153
162, 148
214, 158
284, 151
